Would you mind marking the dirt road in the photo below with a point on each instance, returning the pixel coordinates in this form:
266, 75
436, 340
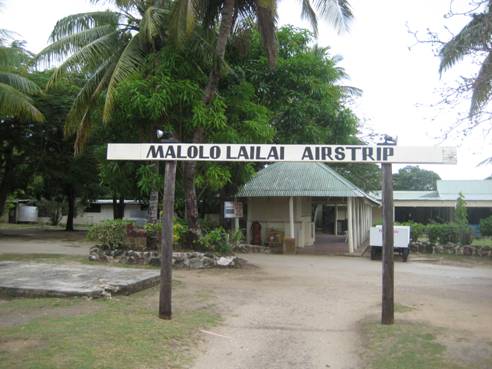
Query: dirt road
43, 241
304, 311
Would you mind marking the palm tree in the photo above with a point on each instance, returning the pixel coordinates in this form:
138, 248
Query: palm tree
226, 12
474, 39
109, 46
15, 88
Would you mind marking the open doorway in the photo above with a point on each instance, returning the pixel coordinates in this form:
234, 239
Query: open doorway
330, 221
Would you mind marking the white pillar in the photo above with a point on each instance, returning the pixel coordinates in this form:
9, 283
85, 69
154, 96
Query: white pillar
350, 225
336, 220
236, 224
291, 216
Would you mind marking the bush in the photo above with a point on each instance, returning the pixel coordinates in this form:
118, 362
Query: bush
111, 234
417, 230
444, 233
155, 229
486, 226
215, 240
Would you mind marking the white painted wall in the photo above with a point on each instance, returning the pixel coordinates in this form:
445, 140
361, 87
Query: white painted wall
132, 211
273, 213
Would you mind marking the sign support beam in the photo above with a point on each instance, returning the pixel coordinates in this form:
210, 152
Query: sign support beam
388, 308
165, 293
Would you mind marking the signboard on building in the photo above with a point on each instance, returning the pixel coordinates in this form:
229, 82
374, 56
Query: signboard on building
274, 153
233, 209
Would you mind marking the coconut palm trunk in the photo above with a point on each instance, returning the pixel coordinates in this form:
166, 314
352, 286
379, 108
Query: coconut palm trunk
191, 203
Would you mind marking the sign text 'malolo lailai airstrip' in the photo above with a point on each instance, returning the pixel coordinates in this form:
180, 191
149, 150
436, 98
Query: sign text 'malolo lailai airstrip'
273, 153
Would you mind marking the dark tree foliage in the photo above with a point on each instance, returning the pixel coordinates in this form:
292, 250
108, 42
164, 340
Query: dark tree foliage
63, 176
413, 178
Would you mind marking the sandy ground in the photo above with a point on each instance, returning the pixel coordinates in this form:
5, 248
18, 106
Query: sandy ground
304, 311
43, 241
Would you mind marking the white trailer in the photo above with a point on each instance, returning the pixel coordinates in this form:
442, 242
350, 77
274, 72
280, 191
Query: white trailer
400, 244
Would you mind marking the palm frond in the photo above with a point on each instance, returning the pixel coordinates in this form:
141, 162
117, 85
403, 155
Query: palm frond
82, 133
183, 19
20, 83
16, 104
477, 32
337, 12
152, 24
76, 23
308, 13
130, 61
86, 96
266, 14
482, 86
89, 56
67, 45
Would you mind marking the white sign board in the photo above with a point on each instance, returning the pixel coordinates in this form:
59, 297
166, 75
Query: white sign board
233, 209
291, 153
401, 236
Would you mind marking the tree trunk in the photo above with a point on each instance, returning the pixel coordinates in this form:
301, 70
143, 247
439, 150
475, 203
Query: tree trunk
115, 207
153, 212
209, 93
6, 183
121, 207
71, 209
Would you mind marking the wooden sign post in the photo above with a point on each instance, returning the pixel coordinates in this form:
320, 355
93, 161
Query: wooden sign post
388, 307
384, 154
167, 234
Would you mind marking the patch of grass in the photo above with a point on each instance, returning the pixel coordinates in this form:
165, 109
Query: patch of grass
121, 333
403, 345
399, 308
483, 241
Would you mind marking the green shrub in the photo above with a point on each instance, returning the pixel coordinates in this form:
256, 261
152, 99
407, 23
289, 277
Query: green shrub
215, 240
417, 230
179, 230
111, 234
444, 233
486, 226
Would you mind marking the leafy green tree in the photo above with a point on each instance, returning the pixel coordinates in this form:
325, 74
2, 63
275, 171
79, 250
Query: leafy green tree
109, 46
461, 213
413, 178
304, 92
65, 178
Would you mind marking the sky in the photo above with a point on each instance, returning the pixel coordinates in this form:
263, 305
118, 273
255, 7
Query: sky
399, 79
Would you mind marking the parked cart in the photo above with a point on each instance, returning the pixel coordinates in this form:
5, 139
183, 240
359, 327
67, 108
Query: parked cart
400, 244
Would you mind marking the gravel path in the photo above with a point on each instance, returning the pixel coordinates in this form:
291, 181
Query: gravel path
303, 311
40, 241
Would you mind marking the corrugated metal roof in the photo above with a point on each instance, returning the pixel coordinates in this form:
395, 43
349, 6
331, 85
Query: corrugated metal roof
300, 179
448, 190
471, 189
410, 195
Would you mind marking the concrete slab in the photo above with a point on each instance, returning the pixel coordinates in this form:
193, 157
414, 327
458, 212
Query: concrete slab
38, 279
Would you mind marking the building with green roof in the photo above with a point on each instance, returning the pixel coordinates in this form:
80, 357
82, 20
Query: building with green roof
302, 200
439, 205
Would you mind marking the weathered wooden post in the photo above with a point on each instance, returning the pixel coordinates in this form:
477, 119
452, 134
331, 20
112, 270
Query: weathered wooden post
165, 295
388, 309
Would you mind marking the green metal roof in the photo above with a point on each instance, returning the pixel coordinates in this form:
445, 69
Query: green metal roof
410, 195
300, 179
471, 189
448, 190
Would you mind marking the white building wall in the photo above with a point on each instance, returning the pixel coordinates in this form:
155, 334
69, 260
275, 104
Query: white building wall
273, 213
132, 212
